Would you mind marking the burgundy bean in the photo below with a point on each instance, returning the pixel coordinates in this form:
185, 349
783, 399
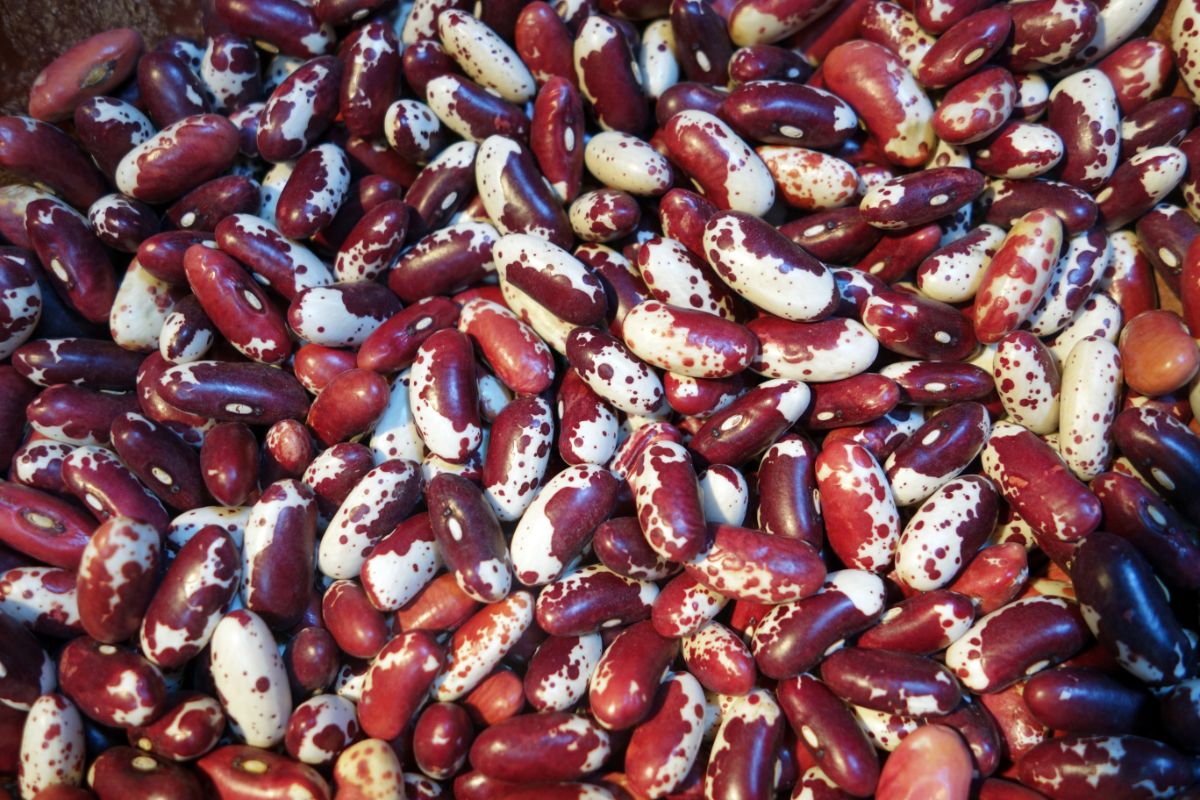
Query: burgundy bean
793, 638
472, 112
117, 576
370, 78
178, 158
210, 202
896, 682
830, 733
1108, 574
114, 687
1136, 513
121, 223
1115, 764
190, 726
300, 109
625, 682
233, 392
444, 395
42, 526
664, 748
229, 463
41, 153
169, 89
553, 745
28, 669
1084, 701
239, 308
75, 262
43, 599
742, 760
358, 628
237, 771
923, 624
441, 739
277, 556
620, 546
1080, 105
370, 247
286, 26
481, 642
766, 62
1006, 201
1015, 641
745, 564
397, 682
592, 598
964, 47
469, 537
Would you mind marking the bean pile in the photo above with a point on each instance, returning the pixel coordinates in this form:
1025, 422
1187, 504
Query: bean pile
607, 399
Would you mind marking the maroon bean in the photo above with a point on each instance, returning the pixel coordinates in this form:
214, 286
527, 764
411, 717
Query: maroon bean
1160, 122
1049, 32
229, 463
109, 128
114, 687
608, 77
168, 88
178, 158
300, 109
395, 345
370, 78
553, 745
1114, 764
117, 576
469, 536
190, 726
742, 760
896, 682
371, 246
787, 488
767, 62
286, 26
830, 733
444, 396
471, 111
277, 557
918, 327
1166, 539
964, 47
1017, 640
1005, 201
745, 564
42, 599
74, 260
210, 202
121, 223
93, 363
441, 740
544, 43
397, 682
1108, 574
1146, 58
76, 415
160, 459
923, 624
239, 308
592, 598
42, 526
311, 658
995, 576
28, 670
124, 772
793, 638
232, 392
349, 405
238, 771
41, 153
284, 265
314, 192
357, 627
1084, 701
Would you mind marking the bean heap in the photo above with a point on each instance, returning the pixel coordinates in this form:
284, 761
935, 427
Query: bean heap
607, 399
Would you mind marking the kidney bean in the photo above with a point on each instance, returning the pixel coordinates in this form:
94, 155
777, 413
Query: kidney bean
376, 504
117, 575
168, 88
1136, 513
1028, 382
591, 598
923, 624
469, 537
1119, 762
397, 682
370, 77
626, 679
472, 112
1129, 279
300, 109
189, 727
1017, 640
75, 262
1006, 201
1084, 701
119, 771
238, 307
1162, 450
1168, 363
896, 29
932, 758
369, 770
861, 521
229, 463
1091, 384
897, 682
277, 557
558, 673
76, 415
920, 197
233, 392
730, 175
830, 733
114, 687
483, 640
937, 452
359, 629
684, 606
41, 153
688, 342
441, 740
42, 526
320, 728
558, 523
180, 157
38, 465
315, 190
93, 363
43, 599
250, 679
29, 671
746, 564
121, 223
743, 753
767, 62
1109, 574
619, 545
51, 746
552, 745
236, 771
793, 638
